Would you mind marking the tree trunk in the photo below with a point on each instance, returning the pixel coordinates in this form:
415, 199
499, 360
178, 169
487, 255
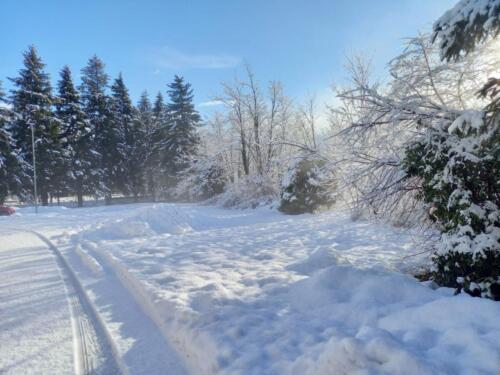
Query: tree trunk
107, 199
244, 155
45, 198
79, 196
152, 188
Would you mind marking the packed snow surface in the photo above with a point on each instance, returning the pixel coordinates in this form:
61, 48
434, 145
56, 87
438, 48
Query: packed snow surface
258, 292
35, 320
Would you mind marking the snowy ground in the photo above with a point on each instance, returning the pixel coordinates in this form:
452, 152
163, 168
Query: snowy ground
35, 323
191, 289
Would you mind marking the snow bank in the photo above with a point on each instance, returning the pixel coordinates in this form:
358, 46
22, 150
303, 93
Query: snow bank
145, 222
390, 324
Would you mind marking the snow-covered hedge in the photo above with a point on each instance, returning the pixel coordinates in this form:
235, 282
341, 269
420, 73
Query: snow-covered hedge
307, 186
459, 164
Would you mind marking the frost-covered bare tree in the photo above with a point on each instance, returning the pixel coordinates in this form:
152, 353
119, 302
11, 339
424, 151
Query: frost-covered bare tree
307, 121
375, 122
259, 119
257, 135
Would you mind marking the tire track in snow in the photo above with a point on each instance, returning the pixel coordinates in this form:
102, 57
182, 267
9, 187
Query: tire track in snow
94, 351
155, 352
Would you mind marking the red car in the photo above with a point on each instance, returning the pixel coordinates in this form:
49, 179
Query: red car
6, 211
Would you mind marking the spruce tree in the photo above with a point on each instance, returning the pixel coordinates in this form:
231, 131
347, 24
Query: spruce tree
32, 102
183, 120
104, 136
12, 173
76, 138
158, 114
130, 146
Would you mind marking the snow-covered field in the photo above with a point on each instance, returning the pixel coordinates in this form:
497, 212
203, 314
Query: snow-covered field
197, 289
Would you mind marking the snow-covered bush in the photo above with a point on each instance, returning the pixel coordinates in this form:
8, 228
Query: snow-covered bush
306, 186
212, 181
459, 165
205, 179
249, 192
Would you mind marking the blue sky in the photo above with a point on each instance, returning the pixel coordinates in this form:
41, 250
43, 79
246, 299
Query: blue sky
302, 43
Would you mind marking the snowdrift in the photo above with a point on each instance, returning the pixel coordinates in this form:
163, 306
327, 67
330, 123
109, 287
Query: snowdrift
145, 222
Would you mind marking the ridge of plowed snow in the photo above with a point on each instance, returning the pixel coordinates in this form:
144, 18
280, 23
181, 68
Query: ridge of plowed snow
148, 221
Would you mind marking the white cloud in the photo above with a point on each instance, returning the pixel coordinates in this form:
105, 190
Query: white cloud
170, 58
211, 103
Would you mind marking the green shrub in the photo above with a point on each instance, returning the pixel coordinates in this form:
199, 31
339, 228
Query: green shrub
459, 166
211, 182
306, 187
476, 274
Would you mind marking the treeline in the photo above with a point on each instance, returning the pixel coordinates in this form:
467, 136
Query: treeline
91, 140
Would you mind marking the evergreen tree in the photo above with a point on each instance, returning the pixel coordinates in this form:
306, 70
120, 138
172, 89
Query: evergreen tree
307, 186
158, 111
458, 163
148, 126
131, 139
468, 23
32, 102
104, 137
156, 145
183, 120
76, 138
459, 166
11, 166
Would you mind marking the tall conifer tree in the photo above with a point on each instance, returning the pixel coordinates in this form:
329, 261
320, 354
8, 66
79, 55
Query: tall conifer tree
131, 139
12, 173
104, 136
76, 138
183, 120
32, 102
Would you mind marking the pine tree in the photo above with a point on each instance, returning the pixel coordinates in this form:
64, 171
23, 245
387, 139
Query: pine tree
104, 136
32, 102
76, 138
127, 126
183, 120
12, 173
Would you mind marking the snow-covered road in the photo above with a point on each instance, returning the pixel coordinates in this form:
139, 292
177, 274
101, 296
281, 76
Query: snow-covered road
50, 326
35, 333
183, 289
